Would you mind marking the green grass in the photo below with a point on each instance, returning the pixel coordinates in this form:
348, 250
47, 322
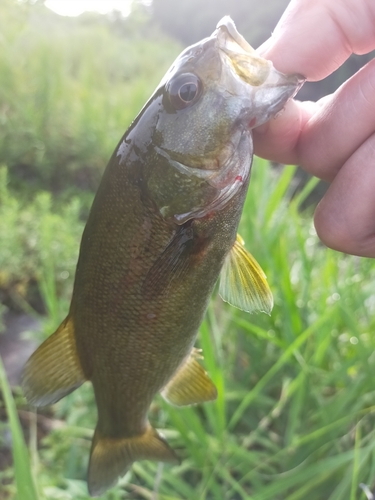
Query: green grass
22, 469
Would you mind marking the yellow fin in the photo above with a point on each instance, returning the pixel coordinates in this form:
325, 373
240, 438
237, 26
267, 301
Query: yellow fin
54, 370
111, 458
190, 385
242, 281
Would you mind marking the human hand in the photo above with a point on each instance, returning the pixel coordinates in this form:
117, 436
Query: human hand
334, 138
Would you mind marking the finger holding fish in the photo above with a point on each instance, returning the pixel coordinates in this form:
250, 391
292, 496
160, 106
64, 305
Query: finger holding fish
330, 137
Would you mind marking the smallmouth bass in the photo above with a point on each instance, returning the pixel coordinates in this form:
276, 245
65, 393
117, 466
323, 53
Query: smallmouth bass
162, 227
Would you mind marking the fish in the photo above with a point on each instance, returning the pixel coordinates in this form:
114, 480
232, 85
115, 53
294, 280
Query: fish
162, 228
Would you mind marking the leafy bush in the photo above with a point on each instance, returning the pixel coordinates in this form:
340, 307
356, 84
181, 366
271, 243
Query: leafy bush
39, 247
69, 88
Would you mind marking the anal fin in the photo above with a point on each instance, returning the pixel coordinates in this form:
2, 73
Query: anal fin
111, 457
54, 370
190, 384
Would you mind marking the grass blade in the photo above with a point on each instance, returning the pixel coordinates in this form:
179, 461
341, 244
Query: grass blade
24, 481
276, 367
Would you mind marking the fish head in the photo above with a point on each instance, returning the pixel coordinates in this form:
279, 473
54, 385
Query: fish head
203, 111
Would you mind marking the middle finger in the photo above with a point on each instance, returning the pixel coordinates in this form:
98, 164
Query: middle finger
339, 127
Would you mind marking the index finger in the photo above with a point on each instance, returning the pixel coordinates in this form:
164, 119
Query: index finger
314, 38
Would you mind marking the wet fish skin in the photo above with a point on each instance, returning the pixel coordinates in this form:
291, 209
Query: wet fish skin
163, 222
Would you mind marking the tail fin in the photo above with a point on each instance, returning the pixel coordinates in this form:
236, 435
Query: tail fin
111, 458
54, 370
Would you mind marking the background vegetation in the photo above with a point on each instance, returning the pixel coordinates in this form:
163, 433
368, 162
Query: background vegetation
295, 414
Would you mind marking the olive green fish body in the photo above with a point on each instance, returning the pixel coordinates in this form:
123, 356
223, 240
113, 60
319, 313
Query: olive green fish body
136, 311
162, 227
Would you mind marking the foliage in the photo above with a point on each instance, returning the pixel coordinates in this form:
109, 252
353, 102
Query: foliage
69, 88
39, 247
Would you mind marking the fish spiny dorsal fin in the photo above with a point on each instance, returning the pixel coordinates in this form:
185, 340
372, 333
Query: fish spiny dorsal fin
190, 384
54, 370
111, 458
243, 283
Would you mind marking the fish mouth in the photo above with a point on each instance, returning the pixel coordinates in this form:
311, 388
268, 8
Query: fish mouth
246, 63
256, 79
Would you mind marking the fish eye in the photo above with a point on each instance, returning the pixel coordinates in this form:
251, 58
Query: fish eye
184, 90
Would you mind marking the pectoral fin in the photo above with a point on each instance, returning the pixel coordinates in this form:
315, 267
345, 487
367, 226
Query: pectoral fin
243, 283
171, 264
190, 385
54, 370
